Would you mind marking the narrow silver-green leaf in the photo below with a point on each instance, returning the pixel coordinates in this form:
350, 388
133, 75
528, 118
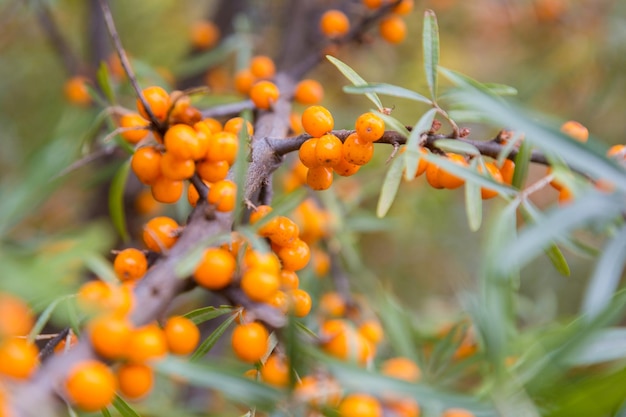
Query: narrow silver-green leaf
116, 200
457, 146
607, 345
45, 316
106, 412
390, 187
394, 124
201, 315
411, 160
522, 164
355, 79
101, 267
501, 89
558, 259
212, 339
387, 90
473, 202
430, 43
104, 82
124, 408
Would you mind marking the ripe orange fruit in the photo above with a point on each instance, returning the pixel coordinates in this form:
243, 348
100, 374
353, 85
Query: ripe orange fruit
403, 8
281, 230
328, 150
223, 146
262, 67
176, 169
139, 125
340, 340
158, 100
235, 124
289, 279
130, 264
212, 171
392, 29
308, 153
264, 94
250, 341
90, 385
401, 368
575, 130
181, 141
109, 335
457, 412
18, 358
403, 407
182, 335
317, 120
160, 233
360, 405
76, 91
16, 318
433, 177
300, 302
259, 285
357, 151
373, 4
146, 164
319, 178
334, 24
275, 371
448, 180
565, 195
370, 127
223, 195
135, 380
280, 301
204, 34
345, 168
616, 151
495, 174
146, 343
507, 170
332, 304
309, 92
318, 392
244, 79
372, 331
295, 256
168, 191
216, 269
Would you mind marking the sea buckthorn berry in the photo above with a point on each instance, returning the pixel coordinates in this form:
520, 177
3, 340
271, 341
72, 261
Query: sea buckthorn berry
216, 269
250, 341
403, 8
372, 331
259, 212
565, 195
90, 385
300, 302
183, 112
135, 380
401, 368
295, 123
160, 233
334, 24
212, 171
317, 120
495, 175
146, 164
223, 146
332, 304
244, 80
259, 285
209, 126
575, 130
295, 256
328, 150
235, 124
340, 340
139, 127
275, 371
309, 92
18, 358
63, 346
616, 151
321, 262
130, 264
181, 141
145, 204
280, 301
392, 29
373, 4
76, 91
318, 392
289, 280
223, 195
448, 180
457, 412
97, 296
433, 177
192, 194
168, 191
403, 407
182, 335
16, 318
357, 151
307, 153
109, 335
370, 127
204, 34
158, 100
262, 67
284, 231
360, 405
507, 170
146, 343
319, 178
176, 169
422, 164
345, 168
264, 94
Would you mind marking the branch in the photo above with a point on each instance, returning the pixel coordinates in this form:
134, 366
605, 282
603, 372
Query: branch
230, 109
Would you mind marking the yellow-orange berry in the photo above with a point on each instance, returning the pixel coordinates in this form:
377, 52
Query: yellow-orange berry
76, 91
308, 92
392, 29
495, 175
575, 130
457, 412
63, 346
284, 231
158, 100
334, 24
90, 385
345, 168
332, 304
160, 233
300, 302
321, 261
308, 153
403, 407
204, 34
18, 358
223, 146
318, 392
295, 123
135, 380
295, 256
235, 124
168, 191
145, 204
176, 169
360, 405
212, 171
432, 176
262, 261
328, 150
401, 368
370, 127
372, 331
244, 80
181, 141
264, 94
373, 4
109, 335
319, 178
146, 164
289, 279
259, 285
507, 170
357, 151
565, 195
182, 335
340, 340
139, 127
216, 269
616, 151
275, 371
280, 301
146, 343
208, 126
317, 120
16, 318
259, 212
130, 264
250, 341
262, 67
448, 180
223, 194
403, 8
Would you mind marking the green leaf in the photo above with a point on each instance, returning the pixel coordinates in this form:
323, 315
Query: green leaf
124, 408
607, 274
390, 187
355, 79
387, 90
212, 339
411, 160
240, 169
394, 124
607, 345
522, 164
558, 259
198, 63
101, 267
430, 44
201, 315
473, 203
104, 82
397, 325
106, 412
116, 200
457, 146
463, 80
45, 316
501, 89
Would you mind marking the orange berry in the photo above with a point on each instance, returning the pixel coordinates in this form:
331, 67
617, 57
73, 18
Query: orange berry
295, 256
18, 358
392, 29
250, 341
575, 130
403, 407
146, 343
360, 405
235, 124
401, 368
62, 347
284, 231
319, 178
264, 94
259, 285
372, 331
318, 392
109, 335
216, 269
616, 151
139, 125
146, 204
182, 335
96, 296
280, 301
289, 279
223, 194
321, 262
130, 264
457, 412
332, 304
308, 153
433, 177
135, 380
317, 120
90, 385
340, 340
262, 261
176, 169
160, 233
308, 92
300, 302
448, 180
262, 67
373, 4
403, 8
507, 170
208, 126
259, 212
328, 150
181, 141
357, 151
212, 171
370, 127
495, 174
565, 195
244, 80
183, 112
345, 168
76, 91
158, 100
16, 318
422, 164
146, 164
223, 146
204, 34
275, 371
334, 24
192, 194
165, 190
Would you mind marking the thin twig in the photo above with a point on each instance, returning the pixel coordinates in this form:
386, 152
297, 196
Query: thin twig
229, 109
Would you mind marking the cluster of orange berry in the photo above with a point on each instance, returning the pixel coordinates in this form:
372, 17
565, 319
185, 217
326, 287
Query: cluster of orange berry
18, 356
